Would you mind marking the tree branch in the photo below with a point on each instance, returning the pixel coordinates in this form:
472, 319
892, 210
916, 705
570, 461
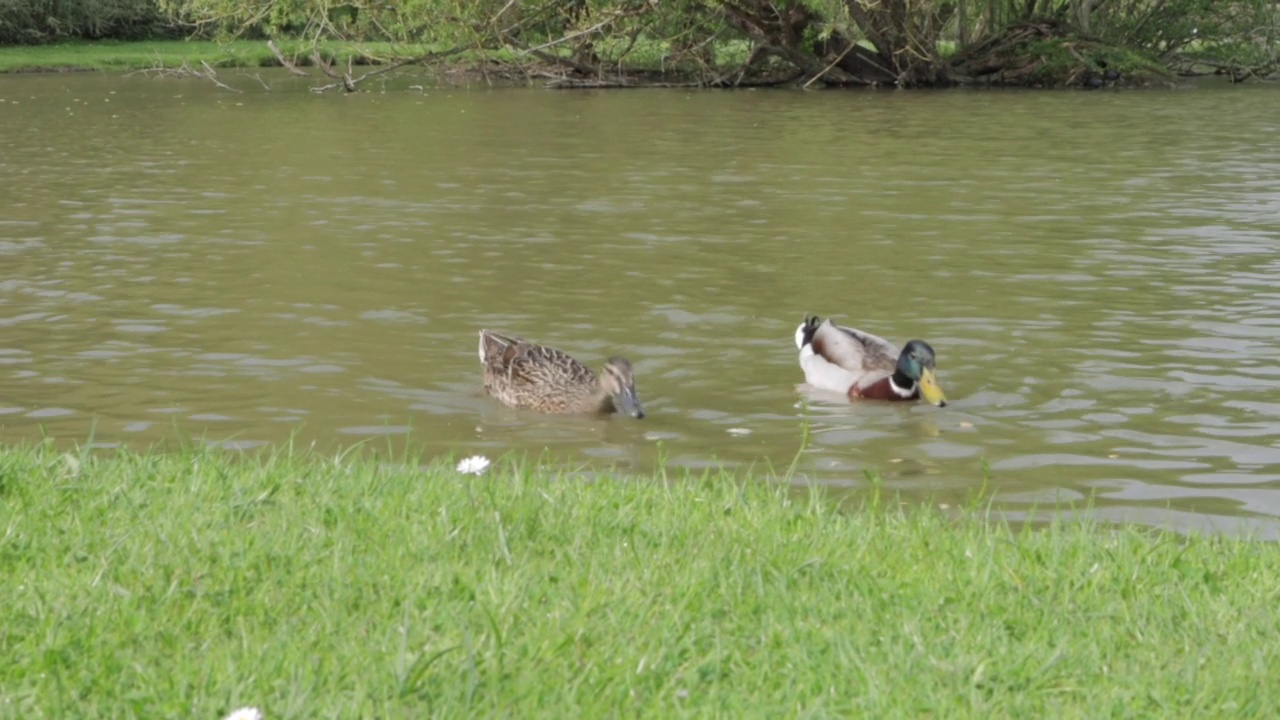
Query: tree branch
288, 64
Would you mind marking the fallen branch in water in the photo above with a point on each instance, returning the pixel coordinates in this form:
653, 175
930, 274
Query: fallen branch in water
564, 82
212, 75
258, 77
568, 83
186, 70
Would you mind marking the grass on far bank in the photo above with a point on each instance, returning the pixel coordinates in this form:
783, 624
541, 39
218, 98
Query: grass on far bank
124, 56
188, 584
143, 55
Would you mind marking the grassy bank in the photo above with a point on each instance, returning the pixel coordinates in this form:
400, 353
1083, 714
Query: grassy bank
126, 56
186, 585
1052, 61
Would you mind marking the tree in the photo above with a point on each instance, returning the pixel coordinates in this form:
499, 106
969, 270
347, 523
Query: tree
903, 43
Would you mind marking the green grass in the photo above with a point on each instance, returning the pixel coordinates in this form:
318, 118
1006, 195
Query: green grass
112, 55
126, 56
188, 584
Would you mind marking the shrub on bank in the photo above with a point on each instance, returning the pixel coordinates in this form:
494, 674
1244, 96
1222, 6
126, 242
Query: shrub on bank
25, 22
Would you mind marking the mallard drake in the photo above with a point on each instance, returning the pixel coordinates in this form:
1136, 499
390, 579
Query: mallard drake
861, 365
521, 374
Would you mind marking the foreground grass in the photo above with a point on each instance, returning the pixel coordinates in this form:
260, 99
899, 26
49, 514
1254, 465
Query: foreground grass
112, 55
185, 585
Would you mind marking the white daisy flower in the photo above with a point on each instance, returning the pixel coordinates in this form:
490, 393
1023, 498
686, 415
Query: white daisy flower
245, 713
474, 465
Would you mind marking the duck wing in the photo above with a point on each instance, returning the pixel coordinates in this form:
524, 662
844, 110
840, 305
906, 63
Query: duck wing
838, 358
855, 350
525, 363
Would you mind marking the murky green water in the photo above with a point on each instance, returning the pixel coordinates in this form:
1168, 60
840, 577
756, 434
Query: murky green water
1097, 272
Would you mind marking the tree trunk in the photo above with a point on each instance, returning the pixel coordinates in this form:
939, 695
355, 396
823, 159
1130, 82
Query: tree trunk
1080, 9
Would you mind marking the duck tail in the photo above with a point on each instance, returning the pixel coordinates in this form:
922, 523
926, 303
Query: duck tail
806, 330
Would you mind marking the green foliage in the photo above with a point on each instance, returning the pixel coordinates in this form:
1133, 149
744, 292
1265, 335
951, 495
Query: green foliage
40, 21
841, 41
318, 19
1075, 61
1164, 27
399, 20
184, 585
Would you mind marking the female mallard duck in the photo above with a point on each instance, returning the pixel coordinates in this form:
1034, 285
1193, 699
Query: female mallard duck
523, 375
861, 365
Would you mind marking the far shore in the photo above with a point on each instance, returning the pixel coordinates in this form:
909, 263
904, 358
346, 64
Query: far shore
347, 64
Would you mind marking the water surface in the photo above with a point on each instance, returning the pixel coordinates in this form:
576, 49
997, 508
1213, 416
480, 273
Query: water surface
1097, 272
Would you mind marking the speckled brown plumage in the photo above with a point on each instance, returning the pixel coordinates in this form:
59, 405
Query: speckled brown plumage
524, 375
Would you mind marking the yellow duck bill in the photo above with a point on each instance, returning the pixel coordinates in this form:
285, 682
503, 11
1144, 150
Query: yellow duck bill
929, 389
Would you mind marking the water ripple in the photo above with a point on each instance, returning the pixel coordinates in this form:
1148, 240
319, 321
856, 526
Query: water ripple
1098, 286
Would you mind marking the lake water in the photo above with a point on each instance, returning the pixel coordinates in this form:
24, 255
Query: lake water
1097, 272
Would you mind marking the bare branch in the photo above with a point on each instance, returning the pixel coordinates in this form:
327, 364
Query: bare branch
212, 75
258, 77
573, 35
288, 64
322, 63
827, 69
349, 83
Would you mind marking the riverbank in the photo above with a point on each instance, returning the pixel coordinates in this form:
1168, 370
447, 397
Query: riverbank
1043, 65
111, 55
885, 43
188, 584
